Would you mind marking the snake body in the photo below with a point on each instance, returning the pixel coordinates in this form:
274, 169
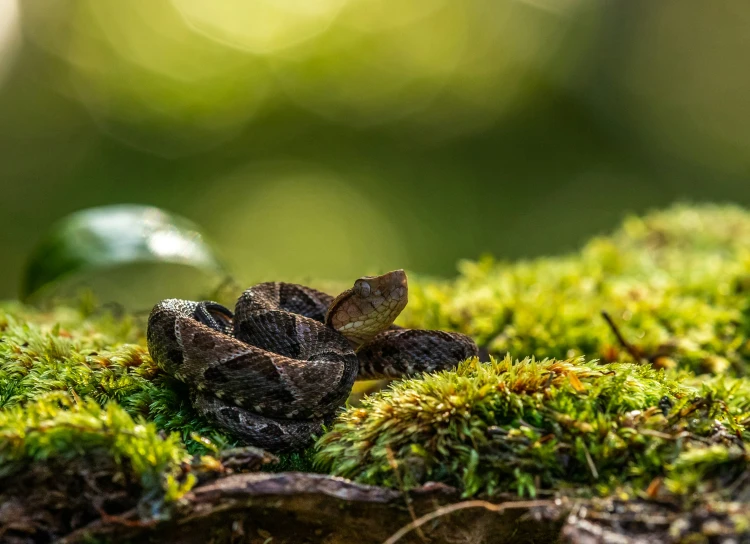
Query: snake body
276, 370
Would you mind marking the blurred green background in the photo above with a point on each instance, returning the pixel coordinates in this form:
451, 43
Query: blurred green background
334, 138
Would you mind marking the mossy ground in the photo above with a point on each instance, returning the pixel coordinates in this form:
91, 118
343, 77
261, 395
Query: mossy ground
585, 417
675, 282
74, 384
530, 427
660, 414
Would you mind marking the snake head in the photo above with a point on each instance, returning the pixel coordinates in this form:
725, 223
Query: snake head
369, 307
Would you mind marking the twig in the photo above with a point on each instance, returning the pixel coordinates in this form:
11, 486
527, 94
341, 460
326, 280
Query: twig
590, 461
123, 519
664, 436
620, 338
445, 510
407, 499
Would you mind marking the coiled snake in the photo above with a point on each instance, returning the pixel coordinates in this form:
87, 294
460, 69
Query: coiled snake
274, 372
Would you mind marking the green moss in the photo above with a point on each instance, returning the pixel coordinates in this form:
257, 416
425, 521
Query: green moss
97, 357
57, 427
676, 283
529, 426
73, 384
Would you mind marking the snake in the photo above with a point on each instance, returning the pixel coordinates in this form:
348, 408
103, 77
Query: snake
274, 372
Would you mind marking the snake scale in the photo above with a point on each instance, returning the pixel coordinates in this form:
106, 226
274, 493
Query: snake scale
275, 370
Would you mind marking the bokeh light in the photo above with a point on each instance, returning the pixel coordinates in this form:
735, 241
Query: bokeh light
450, 64
296, 221
148, 80
376, 75
334, 138
260, 26
174, 77
10, 36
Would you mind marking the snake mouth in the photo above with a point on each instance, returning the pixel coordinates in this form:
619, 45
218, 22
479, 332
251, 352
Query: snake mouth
395, 286
399, 277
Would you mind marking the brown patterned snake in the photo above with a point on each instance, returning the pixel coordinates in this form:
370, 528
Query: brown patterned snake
278, 368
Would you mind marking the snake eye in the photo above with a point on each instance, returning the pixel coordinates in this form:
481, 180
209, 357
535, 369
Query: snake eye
362, 288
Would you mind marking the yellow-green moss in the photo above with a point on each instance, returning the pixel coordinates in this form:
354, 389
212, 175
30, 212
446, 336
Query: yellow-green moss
57, 426
527, 426
90, 356
676, 282
74, 384
677, 285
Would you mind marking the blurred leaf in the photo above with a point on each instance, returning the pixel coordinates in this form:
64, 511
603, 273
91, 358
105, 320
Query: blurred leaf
135, 252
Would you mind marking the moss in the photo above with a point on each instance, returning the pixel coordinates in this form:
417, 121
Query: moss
56, 428
537, 426
92, 356
75, 385
676, 283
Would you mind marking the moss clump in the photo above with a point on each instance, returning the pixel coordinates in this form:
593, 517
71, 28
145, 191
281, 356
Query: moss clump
76, 386
676, 282
57, 428
93, 368
92, 357
533, 426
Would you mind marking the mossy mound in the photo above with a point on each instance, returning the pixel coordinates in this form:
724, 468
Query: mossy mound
594, 413
531, 427
57, 430
677, 284
83, 355
77, 392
